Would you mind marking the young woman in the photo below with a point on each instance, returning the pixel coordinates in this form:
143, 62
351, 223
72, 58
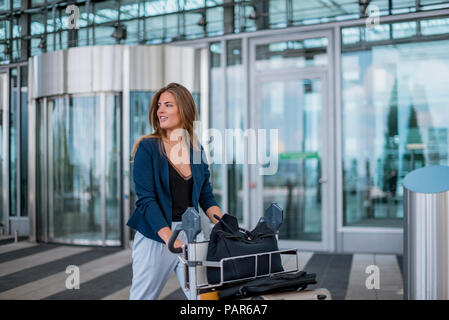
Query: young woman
167, 181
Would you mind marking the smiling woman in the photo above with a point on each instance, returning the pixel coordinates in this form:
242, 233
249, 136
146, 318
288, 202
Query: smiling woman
167, 183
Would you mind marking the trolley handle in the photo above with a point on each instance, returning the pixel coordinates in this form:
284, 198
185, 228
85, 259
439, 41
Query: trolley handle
173, 238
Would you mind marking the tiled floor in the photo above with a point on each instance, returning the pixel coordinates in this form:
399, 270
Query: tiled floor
38, 271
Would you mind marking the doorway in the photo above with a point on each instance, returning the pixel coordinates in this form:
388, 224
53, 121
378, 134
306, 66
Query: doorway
290, 92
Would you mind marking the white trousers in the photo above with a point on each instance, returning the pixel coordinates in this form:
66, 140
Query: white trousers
153, 265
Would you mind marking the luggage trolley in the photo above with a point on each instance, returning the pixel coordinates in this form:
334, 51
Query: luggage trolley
193, 254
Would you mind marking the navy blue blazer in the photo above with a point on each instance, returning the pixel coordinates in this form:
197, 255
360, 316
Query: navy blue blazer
151, 177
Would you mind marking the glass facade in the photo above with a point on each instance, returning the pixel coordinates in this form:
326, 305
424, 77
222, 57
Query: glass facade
394, 115
31, 28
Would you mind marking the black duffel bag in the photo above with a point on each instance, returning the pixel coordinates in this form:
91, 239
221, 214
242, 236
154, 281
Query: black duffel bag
274, 284
228, 240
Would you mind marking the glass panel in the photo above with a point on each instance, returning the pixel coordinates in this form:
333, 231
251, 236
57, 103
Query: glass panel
157, 7
215, 23
16, 49
23, 142
216, 117
192, 28
243, 20
131, 31
404, 29
112, 168
85, 36
16, 4
293, 107
171, 26
291, 54
309, 12
138, 126
350, 35
36, 48
4, 5
16, 28
105, 11
395, 120
13, 134
234, 120
35, 3
74, 169
434, 26
277, 13
154, 28
3, 83
37, 23
129, 9
377, 33
191, 4
103, 35
4, 30
41, 166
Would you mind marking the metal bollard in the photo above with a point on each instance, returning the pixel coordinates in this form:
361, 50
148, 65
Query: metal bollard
426, 229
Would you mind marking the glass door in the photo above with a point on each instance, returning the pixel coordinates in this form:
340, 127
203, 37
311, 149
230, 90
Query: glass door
291, 81
80, 169
295, 105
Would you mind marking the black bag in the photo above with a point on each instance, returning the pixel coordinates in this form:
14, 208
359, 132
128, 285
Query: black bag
275, 284
228, 240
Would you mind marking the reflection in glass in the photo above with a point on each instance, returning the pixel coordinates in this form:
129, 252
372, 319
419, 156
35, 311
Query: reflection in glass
293, 107
291, 54
105, 11
277, 13
42, 167
23, 143
215, 23
72, 145
112, 167
13, 135
217, 115
103, 35
395, 120
234, 120
138, 126
74, 170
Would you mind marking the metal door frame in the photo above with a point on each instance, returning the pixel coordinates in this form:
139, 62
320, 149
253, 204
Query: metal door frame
326, 74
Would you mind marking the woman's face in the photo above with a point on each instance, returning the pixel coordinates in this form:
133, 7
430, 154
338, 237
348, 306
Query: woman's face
168, 112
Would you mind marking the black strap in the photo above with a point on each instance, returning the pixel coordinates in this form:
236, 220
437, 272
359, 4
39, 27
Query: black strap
227, 226
249, 235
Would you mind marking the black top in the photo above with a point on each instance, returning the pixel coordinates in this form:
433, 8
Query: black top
181, 192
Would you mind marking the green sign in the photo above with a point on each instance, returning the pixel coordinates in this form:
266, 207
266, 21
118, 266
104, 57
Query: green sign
298, 155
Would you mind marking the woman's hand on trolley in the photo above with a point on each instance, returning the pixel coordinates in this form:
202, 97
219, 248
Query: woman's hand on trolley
165, 234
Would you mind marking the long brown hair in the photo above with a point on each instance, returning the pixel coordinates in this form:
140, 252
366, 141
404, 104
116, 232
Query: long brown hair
187, 111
